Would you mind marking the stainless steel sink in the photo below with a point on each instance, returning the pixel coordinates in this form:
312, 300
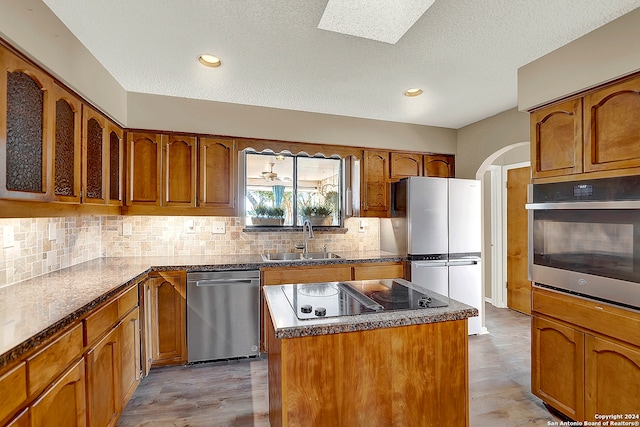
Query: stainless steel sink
298, 256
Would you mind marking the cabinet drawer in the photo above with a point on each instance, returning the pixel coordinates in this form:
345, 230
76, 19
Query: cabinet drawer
99, 322
47, 364
13, 389
611, 321
127, 301
280, 276
378, 271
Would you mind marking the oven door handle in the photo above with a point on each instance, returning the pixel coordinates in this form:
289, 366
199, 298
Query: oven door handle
616, 204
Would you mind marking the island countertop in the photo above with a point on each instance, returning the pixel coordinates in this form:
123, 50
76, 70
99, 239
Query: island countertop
287, 325
35, 309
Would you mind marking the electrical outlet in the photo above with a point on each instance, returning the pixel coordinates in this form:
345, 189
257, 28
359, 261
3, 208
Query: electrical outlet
190, 226
219, 227
362, 226
8, 240
53, 231
127, 229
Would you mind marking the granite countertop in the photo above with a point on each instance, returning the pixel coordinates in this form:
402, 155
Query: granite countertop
35, 309
287, 325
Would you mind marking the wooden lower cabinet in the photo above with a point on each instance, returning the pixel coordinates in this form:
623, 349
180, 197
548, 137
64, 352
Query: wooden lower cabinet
612, 373
130, 369
83, 375
13, 389
167, 325
380, 377
585, 356
103, 381
21, 420
64, 403
376, 270
557, 366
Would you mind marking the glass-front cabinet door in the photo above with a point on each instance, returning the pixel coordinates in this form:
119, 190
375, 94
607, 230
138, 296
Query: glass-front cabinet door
25, 127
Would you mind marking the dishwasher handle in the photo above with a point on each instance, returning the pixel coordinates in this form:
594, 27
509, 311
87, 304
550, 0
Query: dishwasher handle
216, 282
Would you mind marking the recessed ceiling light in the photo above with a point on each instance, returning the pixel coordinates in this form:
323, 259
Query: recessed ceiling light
210, 60
413, 92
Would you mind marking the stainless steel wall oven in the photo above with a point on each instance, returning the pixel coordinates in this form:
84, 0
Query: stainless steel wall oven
584, 238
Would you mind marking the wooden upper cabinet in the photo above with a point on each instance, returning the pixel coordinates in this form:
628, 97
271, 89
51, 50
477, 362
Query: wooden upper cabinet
26, 120
612, 127
405, 164
375, 184
556, 140
218, 170
66, 146
115, 156
94, 156
612, 373
144, 169
179, 170
440, 165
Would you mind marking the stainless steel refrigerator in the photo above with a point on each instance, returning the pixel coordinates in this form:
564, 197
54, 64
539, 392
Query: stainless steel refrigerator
436, 223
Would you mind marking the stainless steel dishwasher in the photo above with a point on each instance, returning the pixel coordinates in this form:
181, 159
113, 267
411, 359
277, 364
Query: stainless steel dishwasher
223, 314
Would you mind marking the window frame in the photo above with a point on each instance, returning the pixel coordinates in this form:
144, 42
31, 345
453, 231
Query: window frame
244, 210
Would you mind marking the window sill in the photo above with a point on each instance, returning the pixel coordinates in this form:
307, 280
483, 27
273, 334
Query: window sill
298, 229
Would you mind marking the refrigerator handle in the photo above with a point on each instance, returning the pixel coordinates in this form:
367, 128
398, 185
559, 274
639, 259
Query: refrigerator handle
427, 264
457, 263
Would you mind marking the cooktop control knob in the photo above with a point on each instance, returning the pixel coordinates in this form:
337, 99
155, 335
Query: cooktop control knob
305, 308
424, 302
321, 311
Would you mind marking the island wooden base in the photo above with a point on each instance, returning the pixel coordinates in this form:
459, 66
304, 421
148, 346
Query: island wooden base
404, 376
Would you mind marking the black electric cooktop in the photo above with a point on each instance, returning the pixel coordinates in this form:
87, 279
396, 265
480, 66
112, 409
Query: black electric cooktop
333, 299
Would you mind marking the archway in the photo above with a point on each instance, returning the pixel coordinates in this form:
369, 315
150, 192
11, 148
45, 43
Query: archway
492, 174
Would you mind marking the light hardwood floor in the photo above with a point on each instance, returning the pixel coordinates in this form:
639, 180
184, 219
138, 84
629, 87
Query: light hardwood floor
235, 393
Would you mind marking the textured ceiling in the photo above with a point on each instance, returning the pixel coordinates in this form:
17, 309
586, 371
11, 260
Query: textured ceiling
464, 54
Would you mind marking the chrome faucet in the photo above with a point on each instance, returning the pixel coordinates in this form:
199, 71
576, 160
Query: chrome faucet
306, 236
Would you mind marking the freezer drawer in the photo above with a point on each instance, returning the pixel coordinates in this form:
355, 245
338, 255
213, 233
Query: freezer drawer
457, 279
432, 275
465, 285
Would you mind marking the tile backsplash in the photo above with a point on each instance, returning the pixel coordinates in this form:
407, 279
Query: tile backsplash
157, 235
42, 245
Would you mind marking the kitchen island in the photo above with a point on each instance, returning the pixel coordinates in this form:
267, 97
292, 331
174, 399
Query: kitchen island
387, 368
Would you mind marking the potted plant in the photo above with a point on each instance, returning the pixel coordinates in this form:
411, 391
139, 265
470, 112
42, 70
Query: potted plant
317, 214
266, 215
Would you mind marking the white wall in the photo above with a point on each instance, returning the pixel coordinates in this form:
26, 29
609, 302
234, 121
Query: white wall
30, 26
604, 54
191, 115
478, 141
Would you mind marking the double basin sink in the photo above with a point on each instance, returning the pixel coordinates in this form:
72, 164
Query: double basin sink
299, 256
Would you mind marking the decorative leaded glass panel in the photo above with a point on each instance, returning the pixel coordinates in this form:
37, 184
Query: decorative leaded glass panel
114, 166
64, 160
25, 102
94, 160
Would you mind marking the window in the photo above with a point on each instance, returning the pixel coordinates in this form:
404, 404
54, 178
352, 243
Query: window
285, 190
